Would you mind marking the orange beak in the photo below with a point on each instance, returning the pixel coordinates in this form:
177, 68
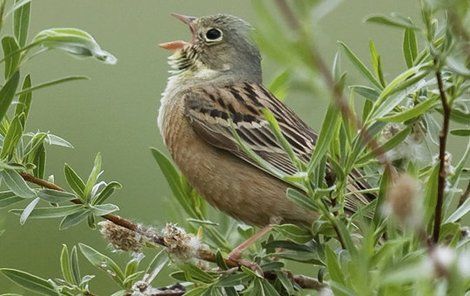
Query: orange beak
179, 44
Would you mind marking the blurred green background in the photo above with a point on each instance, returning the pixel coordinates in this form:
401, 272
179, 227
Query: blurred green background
115, 112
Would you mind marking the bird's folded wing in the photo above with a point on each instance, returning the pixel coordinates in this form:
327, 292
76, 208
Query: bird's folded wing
214, 112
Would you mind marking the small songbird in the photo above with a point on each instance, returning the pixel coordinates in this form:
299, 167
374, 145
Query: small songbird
215, 87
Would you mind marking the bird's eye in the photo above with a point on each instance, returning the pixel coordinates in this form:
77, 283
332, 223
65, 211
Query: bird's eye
213, 35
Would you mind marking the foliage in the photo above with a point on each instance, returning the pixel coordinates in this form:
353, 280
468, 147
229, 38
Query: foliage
388, 247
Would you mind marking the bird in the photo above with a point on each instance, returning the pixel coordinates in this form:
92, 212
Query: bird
215, 90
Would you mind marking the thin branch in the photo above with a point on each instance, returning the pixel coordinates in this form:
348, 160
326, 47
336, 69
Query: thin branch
303, 281
441, 181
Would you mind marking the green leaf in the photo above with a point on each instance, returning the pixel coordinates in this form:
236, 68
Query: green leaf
15, 183
93, 177
34, 144
13, 136
394, 20
8, 198
360, 66
460, 212
7, 93
27, 211
51, 212
21, 21
74, 219
40, 162
387, 146
29, 281
334, 269
65, 265
74, 265
173, 178
107, 191
294, 232
301, 199
73, 179
101, 210
411, 113
461, 132
24, 101
57, 141
231, 280
325, 137
430, 194
55, 196
196, 274
51, 83
156, 265
458, 115
376, 63
280, 84
367, 92
410, 47
73, 41
11, 54
102, 262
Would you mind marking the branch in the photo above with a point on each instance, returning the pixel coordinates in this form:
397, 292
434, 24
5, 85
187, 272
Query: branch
303, 281
441, 181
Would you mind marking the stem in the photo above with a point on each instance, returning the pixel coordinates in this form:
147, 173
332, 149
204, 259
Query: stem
303, 281
441, 181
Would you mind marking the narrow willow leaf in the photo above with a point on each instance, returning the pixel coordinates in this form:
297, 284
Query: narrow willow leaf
54, 196
15, 183
197, 274
156, 265
74, 219
336, 68
102, 262
39, 161
280, 84
393, 20
24, 100
29, 281
101, 210
367, 92
460, 212
74, 265
93, 177
294, 232
231, 280
107, 191
376, 63
21, 21
325, 137
13, 136
173, 178
430, 195
411, 113
334, 268
73, 179
458, 115
73, 41
462, 132
28, 210
301, 199
65, 265
51, 83
8, 198
410, 47
7, 93
51, 212
12, 57
57, 141
387, 146
36, 141
360, 66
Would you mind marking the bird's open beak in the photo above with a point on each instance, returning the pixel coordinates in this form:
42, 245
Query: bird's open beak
179, 44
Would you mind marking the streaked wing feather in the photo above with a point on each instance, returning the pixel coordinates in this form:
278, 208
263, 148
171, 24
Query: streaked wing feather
211, 108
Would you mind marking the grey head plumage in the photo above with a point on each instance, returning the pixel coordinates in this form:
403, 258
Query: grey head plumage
221, 43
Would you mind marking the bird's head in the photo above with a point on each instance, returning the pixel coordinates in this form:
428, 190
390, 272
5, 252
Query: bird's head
220, 44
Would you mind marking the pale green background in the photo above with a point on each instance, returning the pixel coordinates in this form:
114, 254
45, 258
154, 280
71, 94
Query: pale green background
115, 113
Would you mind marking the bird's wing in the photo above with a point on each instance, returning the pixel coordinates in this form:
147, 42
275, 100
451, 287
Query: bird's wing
214, 111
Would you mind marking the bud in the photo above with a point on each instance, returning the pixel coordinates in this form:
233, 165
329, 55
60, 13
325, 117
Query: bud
402, 200
121, 238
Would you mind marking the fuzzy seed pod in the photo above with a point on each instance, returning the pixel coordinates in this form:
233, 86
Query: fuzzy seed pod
179, 243
402, 200
121, 238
